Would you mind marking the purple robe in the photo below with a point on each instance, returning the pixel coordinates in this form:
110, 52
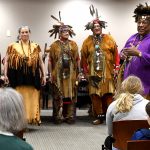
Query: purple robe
140, 66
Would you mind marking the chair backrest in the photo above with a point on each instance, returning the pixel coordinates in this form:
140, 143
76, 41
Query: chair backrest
138, 145
123, 131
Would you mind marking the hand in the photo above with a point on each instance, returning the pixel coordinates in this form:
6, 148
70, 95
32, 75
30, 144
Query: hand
81, 76
50, 78
6, 80
123, 56
43, 80
78, 79
131, 51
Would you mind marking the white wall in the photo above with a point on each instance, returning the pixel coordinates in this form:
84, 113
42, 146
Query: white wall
36, 14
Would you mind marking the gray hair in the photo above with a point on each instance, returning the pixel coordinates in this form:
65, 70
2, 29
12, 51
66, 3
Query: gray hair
19, 30
12, 112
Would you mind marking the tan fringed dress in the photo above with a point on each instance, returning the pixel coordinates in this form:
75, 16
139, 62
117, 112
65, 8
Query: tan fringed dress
24, 75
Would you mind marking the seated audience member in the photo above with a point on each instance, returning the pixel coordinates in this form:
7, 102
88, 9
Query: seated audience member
143, 134
128, 104
12, 120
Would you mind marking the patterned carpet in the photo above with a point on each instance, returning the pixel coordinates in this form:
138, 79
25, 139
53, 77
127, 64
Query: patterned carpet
80, 136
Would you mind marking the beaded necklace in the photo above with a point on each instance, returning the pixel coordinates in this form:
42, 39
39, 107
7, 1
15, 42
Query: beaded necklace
136, 42
99, 57
65, 58
26, 57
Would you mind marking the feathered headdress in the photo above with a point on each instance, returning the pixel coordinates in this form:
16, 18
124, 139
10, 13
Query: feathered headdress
60, 27
141, 10
93, 12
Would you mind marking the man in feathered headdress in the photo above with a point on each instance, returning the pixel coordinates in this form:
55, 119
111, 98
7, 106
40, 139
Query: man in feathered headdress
136, 52
99, 57
64, 66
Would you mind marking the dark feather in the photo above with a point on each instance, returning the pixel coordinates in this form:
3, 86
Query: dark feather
97, 13
59, 15
93, 9
52, 34
70, 35
55, 35
55, 18
51, 30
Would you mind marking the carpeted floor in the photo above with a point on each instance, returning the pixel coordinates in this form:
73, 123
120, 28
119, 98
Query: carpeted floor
80, 136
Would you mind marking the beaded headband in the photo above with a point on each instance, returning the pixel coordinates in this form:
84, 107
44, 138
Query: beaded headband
90, 24
142, 12
60, 27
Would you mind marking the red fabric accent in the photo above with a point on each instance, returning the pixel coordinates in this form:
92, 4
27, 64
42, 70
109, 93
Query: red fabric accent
78, 59
85, 68
67, 102
117, 59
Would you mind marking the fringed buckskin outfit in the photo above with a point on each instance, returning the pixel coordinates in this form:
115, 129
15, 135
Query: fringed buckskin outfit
24, 76
101, 75
64, 58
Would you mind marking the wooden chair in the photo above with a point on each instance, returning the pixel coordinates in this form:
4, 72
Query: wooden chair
123, 131
138, 145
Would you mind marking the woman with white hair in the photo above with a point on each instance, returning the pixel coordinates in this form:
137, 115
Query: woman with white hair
12, 120
129, 104
24, 71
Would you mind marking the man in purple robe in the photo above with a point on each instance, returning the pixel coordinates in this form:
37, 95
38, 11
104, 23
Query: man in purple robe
136, 52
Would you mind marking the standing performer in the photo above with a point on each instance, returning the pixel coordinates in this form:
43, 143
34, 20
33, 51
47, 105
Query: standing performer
136, 52
24, 70
99, 58
64, 66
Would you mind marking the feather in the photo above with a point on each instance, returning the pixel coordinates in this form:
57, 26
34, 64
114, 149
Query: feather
97, 13
52, 34
60, 15
55, 18
146, 4
93, 9
70, 35
55, 35
51, 30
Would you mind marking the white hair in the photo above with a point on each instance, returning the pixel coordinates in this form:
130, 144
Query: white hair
27, 27
12, 112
